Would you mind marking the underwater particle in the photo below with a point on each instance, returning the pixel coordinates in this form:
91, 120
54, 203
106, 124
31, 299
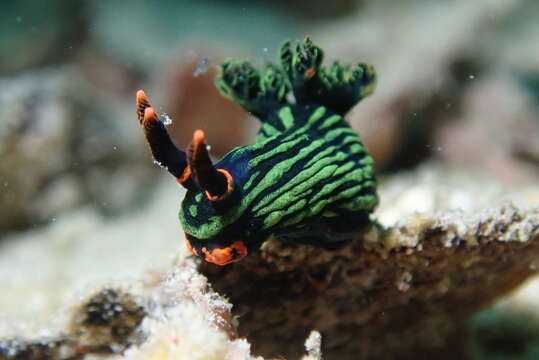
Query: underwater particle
306, 179
106, 320
471, 77
404, 282
202, 66
313, 345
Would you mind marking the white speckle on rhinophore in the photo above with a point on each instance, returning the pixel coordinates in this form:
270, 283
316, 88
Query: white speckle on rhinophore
167, 120
160, 165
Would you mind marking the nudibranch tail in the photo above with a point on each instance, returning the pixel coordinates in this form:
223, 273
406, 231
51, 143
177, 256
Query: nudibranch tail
216, 183
163, 149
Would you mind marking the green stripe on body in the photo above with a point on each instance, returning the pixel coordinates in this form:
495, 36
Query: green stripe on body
330, 122
283, 147
321, 204
316, 204
286, 116
276, 216
329, 150
307, 175
250, 181
356, 175
317, 114
311, 174
365, 202
269, 129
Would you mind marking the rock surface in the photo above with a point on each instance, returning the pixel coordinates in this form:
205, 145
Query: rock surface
62, 146
402, 292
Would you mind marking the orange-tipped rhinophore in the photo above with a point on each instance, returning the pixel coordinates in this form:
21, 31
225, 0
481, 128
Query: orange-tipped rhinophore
216, 183
163, 149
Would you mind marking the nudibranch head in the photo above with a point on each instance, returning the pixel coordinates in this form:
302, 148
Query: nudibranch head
307, 178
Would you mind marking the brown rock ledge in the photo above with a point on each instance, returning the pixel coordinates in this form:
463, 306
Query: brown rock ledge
398, 294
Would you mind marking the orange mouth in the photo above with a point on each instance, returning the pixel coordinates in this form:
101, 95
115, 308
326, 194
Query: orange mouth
222, 256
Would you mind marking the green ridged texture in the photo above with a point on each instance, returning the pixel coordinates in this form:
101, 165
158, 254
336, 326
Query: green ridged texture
307, 167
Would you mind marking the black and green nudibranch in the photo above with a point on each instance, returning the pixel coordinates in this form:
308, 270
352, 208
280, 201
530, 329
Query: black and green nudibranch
306, 179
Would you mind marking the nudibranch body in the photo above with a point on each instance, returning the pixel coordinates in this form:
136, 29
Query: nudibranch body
307, 178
